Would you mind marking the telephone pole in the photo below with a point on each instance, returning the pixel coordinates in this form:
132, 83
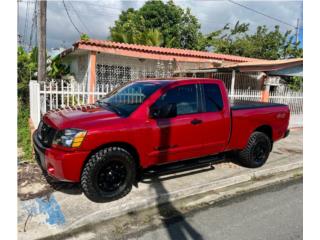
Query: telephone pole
297, 31
42, 35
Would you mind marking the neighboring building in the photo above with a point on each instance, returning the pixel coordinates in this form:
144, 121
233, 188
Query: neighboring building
255, 74
96, 62
53, 52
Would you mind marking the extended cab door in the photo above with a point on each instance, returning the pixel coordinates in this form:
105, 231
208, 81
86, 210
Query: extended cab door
215, 117
177, 137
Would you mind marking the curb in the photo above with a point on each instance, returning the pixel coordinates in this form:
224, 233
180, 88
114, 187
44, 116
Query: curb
199, 194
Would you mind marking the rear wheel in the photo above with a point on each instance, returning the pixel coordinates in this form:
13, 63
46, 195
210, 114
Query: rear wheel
108, 175
257, 150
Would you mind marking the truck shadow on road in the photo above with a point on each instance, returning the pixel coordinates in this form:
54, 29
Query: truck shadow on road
173, 220
65, 187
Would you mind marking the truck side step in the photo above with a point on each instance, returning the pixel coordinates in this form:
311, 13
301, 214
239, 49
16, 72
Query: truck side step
181, 166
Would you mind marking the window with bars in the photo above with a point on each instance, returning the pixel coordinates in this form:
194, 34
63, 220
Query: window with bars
114, 75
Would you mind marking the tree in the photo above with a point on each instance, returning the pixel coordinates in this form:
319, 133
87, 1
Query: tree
159, 24
27, 67
264, 43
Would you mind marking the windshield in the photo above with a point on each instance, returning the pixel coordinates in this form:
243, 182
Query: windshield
127, 99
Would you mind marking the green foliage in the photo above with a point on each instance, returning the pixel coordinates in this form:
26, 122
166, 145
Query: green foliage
56, 69
84, 37
295, 83
27, 67
264, 43
24, 137
159, 24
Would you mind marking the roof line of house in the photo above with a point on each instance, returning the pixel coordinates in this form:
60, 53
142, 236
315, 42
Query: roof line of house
153, 52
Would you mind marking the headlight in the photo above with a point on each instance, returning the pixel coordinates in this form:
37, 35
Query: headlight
69, 137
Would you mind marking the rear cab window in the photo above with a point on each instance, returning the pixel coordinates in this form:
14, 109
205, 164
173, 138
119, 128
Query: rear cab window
212, 98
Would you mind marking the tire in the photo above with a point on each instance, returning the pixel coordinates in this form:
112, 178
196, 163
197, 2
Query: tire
108, 175
257, 150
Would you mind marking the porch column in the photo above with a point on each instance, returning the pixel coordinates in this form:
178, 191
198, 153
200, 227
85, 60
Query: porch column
233, 79
266, 90
92, 76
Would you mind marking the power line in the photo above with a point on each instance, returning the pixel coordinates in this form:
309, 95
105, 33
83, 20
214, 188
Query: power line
263, 14
70, 19
83, 24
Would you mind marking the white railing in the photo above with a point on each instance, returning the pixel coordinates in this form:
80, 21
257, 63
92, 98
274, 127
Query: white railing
60, 94
295, 102
246, 95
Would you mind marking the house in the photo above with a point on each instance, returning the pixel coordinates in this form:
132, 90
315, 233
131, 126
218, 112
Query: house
95, 62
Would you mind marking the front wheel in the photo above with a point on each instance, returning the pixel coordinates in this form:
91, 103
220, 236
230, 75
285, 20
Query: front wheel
108, 175
257, 150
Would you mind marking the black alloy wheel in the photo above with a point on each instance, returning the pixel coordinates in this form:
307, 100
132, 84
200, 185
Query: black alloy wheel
257, 150
260, 152
108, 175
112, 176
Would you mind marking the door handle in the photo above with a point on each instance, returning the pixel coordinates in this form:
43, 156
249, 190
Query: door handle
196, 121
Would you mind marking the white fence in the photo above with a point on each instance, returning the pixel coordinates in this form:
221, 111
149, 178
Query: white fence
246, 95
295, 102
63, 94
59, 94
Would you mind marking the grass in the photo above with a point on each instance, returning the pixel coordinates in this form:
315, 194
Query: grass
24, 137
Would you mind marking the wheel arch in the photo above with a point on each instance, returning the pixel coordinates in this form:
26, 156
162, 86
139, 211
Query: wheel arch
126, 146
266, 129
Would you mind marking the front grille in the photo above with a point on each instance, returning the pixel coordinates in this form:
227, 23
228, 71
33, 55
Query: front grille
46, 134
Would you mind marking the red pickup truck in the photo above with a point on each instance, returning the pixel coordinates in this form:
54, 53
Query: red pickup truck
149, 123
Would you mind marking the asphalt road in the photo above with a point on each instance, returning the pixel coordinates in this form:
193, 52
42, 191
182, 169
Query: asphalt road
272, 213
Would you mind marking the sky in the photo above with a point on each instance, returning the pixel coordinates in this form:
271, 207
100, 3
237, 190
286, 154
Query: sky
96, 17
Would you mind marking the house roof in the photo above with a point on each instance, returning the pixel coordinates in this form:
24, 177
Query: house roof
152, 52
265, 65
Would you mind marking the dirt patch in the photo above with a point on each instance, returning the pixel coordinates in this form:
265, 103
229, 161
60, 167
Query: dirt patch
33, 182
227, 164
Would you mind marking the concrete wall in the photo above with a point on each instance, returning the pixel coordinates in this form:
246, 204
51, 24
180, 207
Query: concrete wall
78, 67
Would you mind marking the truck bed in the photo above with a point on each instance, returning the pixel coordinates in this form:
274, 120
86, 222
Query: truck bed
247, 116
241, 105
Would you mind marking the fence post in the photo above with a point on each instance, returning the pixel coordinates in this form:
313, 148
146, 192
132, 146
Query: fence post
34, 95
233, 79
265, 94
92, 76
266, 90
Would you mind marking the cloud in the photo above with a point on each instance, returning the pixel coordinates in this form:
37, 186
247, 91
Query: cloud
98, 16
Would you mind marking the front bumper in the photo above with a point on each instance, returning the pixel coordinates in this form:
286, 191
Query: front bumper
62, 165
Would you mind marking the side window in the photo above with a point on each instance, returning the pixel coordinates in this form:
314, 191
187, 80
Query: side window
212, 98
184, 97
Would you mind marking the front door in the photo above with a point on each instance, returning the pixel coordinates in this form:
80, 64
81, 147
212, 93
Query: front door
177, 137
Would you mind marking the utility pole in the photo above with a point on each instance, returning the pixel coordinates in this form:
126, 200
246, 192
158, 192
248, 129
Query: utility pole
42, 35
297, 31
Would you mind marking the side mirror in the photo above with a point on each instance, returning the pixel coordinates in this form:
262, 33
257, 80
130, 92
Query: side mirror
166, 111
